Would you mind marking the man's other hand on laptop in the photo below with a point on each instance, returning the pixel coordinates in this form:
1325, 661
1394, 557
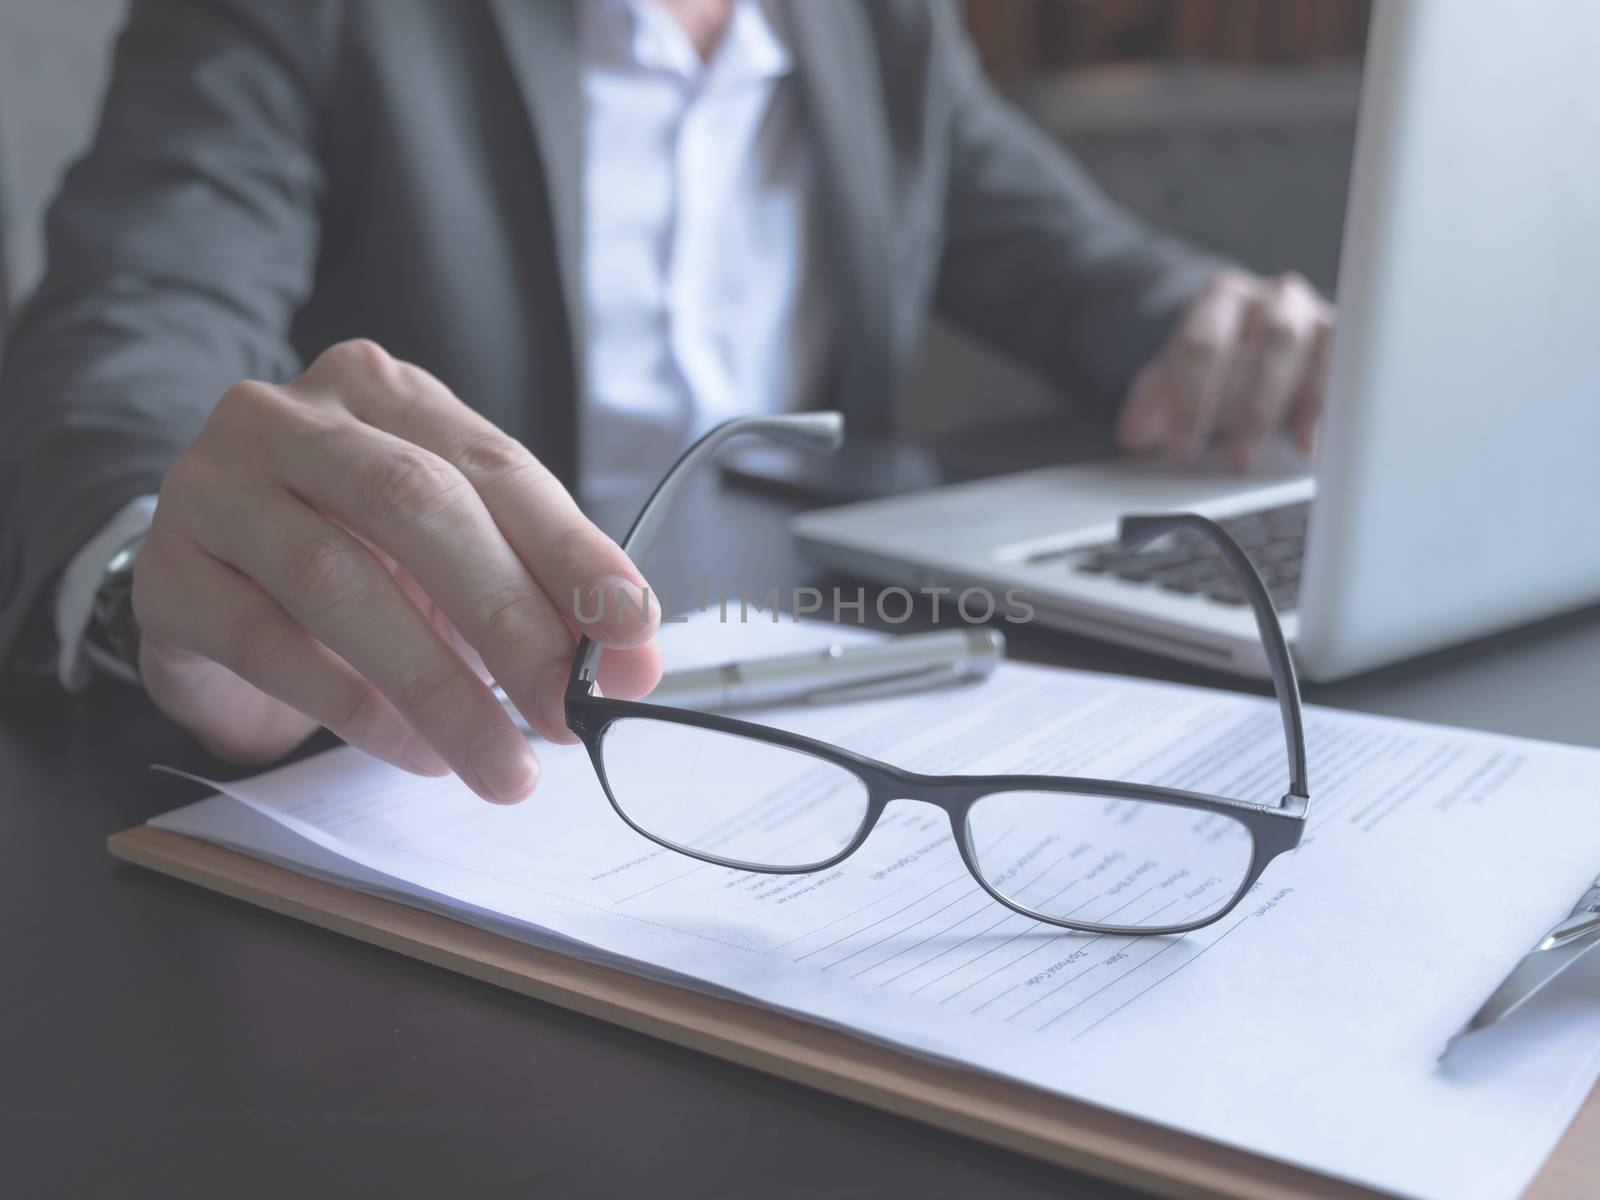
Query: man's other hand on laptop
1248, 358
354, 549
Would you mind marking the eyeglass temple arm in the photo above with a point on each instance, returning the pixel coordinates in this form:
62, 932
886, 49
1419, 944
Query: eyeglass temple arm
819, 432
1137, 531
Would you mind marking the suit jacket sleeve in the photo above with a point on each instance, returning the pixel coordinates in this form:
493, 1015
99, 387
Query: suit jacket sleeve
180, 249
1037, 260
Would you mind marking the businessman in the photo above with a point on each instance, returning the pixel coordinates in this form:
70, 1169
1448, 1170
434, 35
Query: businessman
363, 291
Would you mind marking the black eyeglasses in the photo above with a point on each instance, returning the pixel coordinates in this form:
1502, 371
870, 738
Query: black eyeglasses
1144, 859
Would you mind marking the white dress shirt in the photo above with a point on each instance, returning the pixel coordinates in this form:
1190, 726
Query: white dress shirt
702, 290
700, 281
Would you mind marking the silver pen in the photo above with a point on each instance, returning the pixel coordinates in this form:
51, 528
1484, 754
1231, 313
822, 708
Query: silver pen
1573, 937
833, 674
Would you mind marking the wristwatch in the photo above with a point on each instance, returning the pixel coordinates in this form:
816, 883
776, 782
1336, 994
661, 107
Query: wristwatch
112, 640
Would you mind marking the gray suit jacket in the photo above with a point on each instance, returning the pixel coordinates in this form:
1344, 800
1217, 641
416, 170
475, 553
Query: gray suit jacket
271, 176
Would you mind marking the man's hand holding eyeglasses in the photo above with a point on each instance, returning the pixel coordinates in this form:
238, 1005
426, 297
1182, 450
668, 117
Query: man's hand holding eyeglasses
1249, 358
359, 549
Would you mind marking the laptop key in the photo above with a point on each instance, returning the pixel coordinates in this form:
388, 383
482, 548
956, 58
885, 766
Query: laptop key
1186, 563
1155, 565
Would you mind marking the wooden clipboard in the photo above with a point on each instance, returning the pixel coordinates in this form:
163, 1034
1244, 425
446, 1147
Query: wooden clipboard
1030, 1121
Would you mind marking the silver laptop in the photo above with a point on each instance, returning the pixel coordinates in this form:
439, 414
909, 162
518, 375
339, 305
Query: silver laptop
1457, 490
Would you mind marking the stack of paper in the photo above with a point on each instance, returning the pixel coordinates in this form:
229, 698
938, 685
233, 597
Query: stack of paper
1305, 1026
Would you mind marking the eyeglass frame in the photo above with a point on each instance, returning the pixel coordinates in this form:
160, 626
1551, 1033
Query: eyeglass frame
1273, 829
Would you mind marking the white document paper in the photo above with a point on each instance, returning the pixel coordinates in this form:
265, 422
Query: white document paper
1305, 1026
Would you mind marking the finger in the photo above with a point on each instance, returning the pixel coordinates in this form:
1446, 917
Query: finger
1241, 364
342, 596
1283, 328
579, 567
626, 674
442, 624
1143, 420
425, 517
1307, 418
1197, 363
210, 656
631, 673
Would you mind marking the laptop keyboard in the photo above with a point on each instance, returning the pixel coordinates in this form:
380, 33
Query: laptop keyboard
1274, 539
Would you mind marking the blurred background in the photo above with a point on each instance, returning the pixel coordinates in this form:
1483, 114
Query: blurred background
1230, 122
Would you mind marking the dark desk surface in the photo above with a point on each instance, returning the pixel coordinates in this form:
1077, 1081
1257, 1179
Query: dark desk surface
156, 1039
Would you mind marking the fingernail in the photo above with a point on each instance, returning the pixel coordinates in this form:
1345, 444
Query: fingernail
553, 704
504, 764
627, 611
418, 756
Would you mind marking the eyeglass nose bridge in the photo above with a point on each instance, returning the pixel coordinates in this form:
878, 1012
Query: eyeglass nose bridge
954, 795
